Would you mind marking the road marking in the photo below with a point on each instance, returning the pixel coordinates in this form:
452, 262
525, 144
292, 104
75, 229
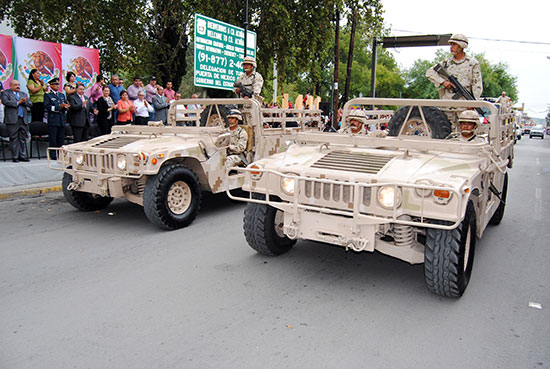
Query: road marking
538, 203
537, 161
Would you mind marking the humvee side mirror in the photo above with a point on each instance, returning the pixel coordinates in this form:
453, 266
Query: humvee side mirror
222, 140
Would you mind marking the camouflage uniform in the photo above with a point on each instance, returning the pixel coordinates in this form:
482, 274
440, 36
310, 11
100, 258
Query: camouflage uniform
467, 71
254, 82
237, 145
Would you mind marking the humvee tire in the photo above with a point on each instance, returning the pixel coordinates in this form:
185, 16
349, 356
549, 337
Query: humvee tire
499, 214
214, 119
83, 200
172, 198
436, 119
449, 256
261, 232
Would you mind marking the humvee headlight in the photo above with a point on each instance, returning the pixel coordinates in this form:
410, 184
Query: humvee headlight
389, 197
79, 159
287, 185
121, 162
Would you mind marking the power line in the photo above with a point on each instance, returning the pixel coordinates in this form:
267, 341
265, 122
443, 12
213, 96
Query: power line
487, 39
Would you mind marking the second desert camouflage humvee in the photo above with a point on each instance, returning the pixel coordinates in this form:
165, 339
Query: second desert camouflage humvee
415, 191
166, 168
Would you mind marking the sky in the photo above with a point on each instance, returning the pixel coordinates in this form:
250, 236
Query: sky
526, 20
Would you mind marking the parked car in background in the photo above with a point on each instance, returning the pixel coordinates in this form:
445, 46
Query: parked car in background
537, 131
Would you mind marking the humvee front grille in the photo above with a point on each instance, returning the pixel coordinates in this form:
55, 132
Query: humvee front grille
334, 193
105, 162
116, 142
352, 162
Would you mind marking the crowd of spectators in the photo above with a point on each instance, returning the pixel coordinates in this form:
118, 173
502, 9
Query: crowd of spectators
106, 105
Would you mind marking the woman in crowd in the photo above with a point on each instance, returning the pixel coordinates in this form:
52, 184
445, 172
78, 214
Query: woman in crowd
125, 109
105, 107
36, 89
70, 86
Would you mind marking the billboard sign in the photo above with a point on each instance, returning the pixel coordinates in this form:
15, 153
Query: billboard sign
219, 51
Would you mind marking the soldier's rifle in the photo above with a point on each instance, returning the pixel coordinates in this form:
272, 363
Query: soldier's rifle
245, 91
459, 90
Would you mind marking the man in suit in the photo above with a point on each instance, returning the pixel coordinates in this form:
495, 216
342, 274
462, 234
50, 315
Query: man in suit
55, 104
160, 105
80, 107
15, 117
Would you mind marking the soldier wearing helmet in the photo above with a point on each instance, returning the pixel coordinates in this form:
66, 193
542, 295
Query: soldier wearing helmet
237, 141
356, 123
250, 79
467, 122
465, 68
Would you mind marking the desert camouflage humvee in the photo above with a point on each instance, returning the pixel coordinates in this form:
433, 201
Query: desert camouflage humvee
414, 191
166, 168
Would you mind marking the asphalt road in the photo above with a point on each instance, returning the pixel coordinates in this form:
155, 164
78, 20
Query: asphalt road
93, 290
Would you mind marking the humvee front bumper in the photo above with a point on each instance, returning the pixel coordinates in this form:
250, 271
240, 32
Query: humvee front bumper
98, 173
347, 213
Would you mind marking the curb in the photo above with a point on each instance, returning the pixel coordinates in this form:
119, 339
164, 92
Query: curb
30, 192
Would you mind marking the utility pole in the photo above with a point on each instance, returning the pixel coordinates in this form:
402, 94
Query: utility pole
245, 24
350, 56
336, 68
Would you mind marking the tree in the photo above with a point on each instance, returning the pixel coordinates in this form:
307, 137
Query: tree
548, 118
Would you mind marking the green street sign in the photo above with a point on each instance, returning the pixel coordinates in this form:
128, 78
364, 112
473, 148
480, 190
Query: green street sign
219, 51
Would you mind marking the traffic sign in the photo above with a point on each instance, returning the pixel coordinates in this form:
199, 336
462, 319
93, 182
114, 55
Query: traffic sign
219, 51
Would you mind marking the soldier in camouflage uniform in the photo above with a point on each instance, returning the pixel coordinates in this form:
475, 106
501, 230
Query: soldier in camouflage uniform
250, 79
465, 68
468, 121
237, 142
356, 123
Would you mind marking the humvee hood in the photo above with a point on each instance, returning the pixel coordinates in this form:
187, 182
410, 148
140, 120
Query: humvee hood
364, 164
140, 143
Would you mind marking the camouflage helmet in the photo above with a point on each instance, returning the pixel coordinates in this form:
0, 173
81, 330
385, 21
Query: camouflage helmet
358, 115
249, 60
235, 113
459, 39
469, 116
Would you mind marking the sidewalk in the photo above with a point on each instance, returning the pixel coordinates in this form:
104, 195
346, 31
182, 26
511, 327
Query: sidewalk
24, 179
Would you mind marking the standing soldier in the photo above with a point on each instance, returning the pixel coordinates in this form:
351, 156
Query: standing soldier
55, 103
237, 142
466, 69
250, 79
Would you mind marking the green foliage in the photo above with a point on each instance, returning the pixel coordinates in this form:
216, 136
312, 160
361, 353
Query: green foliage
418, 86
548, 118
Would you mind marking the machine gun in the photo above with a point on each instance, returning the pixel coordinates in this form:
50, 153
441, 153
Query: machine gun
459, 90
245, 91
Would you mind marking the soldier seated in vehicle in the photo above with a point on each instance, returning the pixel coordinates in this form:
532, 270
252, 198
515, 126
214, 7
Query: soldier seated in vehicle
357, 122
468, 121
237, 142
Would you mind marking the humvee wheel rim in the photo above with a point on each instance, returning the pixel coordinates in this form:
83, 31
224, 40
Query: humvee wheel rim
467, 248
179, 197
413, 125
214, 121
279, 223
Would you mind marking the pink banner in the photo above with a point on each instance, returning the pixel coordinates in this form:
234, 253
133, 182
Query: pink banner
81, 61
6, 61
41, 55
